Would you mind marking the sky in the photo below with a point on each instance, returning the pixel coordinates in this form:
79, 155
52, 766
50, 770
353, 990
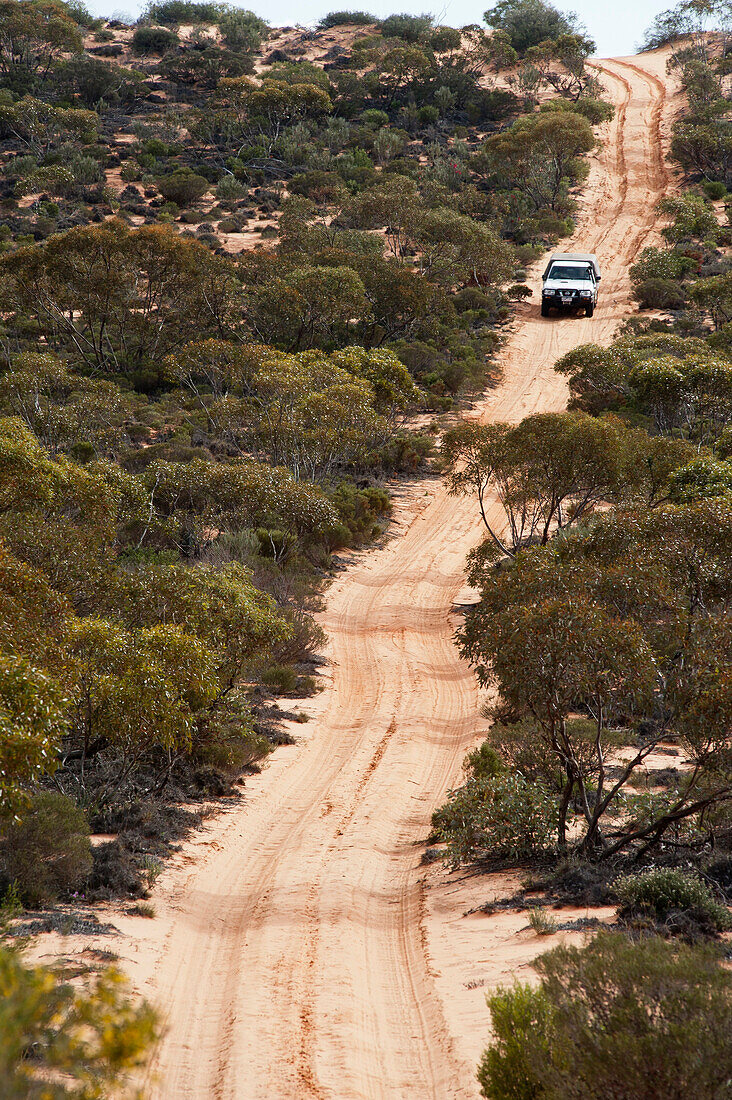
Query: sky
616, 25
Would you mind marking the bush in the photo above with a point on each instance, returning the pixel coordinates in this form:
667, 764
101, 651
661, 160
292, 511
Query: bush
345, 19
183, 187
428, 115
321, 187
614, 1020
594, 110
243, 30
374, 118
659, 263
664, 893
541, 922
499, 816
411, 28
47, 852
229, 187
153, 40
62, 1041
280, 679
359, 513
715, 190
172, 12
660, 294
529, 22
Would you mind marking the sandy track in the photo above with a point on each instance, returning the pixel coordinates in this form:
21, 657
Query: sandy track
289, 951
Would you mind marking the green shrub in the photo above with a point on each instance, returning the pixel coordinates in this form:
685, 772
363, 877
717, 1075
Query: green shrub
529, 22
172, 12
715, 190
659, 263
242, 30
153, 40
359, 512
47, 852
280, 679
345, 19
374, 118
183, 187
499, 816
701, 479
229, 187
594, 110
614, 1020
59, 1040
661, 893
484, 762
660, 294
411, 28
428, 115
53, 179
321, 187
543, 923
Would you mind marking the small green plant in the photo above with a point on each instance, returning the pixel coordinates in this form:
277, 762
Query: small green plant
542, 922
345, 19
662, 893
183, 187
229, 187
47, 852
60, 1040
280, 679
10, 905
152, 40
152, 869
143, 909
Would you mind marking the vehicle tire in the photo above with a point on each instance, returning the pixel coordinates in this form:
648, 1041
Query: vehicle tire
544, 309
589, 311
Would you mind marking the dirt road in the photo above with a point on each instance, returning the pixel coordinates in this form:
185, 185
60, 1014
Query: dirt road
289, 949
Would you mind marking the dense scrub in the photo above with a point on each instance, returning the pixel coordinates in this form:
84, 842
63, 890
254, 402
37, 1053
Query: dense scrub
234, 262
616, 1020
223, 297
603, 623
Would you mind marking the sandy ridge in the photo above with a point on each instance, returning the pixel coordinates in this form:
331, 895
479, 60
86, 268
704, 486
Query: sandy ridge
291, 951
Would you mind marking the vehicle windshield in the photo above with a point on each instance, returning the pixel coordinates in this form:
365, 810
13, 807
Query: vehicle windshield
567, 271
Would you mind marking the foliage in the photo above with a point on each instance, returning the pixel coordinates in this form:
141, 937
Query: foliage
662, 892
183, 188
538, 157
33, 33
46, 852
117, 298
614, 1019
531, 22
608, 622
549, 472
655, 293
64, 410
346, 18
410, 28
41, 127
152, 40
32, 723
700, 479
500, 816
84, 1042
172, 12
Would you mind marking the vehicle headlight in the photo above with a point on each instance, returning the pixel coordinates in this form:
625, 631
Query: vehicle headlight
586, 293
547, 293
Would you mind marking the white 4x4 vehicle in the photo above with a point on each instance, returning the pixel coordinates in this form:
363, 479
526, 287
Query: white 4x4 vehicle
570, 282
